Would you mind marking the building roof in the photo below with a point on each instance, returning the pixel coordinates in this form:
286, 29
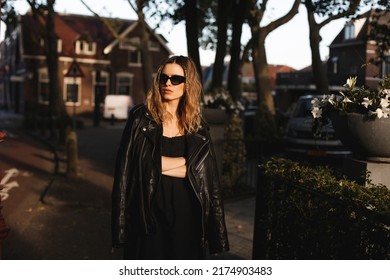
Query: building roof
72, 27
362, 27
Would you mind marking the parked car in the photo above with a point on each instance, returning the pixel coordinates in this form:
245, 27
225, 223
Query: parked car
117, 106
300, 138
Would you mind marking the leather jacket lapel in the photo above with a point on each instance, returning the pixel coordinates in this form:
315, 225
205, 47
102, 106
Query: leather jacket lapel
194, 143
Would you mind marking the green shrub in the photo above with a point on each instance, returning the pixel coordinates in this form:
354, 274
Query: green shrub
234, 153
315, 213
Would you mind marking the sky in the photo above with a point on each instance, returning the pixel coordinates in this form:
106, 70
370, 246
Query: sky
287, 45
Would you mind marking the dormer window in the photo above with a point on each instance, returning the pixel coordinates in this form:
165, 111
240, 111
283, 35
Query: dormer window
84, 47
349, 32
335, 64
154, 46
135, 58
59, 44
130, 44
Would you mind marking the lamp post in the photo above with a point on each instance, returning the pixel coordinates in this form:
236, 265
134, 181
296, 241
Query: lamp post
3, 227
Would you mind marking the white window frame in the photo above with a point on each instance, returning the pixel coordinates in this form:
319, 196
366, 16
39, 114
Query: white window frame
130, 44
43, 77
83, 47
386, 65
335, 64
59, 44
131, 83
349, 31
71, 81
139, 59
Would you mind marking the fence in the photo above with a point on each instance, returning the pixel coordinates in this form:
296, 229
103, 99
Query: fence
297, 222
256, 152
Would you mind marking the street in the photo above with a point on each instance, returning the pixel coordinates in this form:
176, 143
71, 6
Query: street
63, 217
72, 220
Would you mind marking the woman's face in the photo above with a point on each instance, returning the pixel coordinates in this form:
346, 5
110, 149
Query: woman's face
173, 88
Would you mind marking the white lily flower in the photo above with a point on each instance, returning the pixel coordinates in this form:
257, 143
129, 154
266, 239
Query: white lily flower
351, 82
316, 112
366, 102
379, 113
346, 100
315, 102
384, 103
331, 100
386, 113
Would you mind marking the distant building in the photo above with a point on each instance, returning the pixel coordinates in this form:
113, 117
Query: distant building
92, 60
247, 78
349, 51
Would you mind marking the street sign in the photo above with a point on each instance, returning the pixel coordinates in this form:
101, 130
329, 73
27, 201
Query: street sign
74, 71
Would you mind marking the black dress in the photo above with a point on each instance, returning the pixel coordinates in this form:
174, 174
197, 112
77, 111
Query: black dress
177, 213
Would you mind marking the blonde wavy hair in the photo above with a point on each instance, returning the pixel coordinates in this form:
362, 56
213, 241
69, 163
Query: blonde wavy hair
189, 109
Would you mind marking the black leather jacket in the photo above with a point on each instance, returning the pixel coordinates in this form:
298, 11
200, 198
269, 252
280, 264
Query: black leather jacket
138, 173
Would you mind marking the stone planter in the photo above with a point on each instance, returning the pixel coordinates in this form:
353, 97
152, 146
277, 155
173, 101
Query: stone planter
369, 139
215, 116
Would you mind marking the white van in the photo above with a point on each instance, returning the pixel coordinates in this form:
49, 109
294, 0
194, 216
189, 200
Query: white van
117, 106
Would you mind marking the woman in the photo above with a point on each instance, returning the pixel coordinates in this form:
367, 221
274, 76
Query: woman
166, 200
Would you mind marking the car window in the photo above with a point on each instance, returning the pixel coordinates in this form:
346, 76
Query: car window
303, 109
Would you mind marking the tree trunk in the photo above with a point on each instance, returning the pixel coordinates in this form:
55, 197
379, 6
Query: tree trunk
190, 10
235, 75
260, 67
218, 68
318, 68
56, 102
147, 65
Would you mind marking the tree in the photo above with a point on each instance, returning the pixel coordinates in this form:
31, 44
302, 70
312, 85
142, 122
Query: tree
143, 46
45, 11
239, 12
380, 31
224, 7
330, 10
259, 34
8, 15
192, 32
196, 15
147, 65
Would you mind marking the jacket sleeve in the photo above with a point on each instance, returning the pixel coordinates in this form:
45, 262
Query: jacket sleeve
119, 191
216, 227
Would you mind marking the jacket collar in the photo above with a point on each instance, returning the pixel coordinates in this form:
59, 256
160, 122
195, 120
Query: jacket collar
150, 128
153, 132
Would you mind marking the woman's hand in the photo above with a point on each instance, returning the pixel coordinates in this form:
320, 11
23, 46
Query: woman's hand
174, 166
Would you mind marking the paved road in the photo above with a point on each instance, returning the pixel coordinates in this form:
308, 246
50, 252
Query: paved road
73, 222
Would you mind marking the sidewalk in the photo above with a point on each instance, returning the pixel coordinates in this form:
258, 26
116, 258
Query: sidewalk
73, 222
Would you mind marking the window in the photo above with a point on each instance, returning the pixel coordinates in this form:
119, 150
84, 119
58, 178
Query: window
335, 61
84, 47
59, 44
386, 65
154, 46
349, 32
124, 84
130, 44
135, 58
135, 43
72, 90
43, 86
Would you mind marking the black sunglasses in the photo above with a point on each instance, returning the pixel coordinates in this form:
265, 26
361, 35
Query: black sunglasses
175, 79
